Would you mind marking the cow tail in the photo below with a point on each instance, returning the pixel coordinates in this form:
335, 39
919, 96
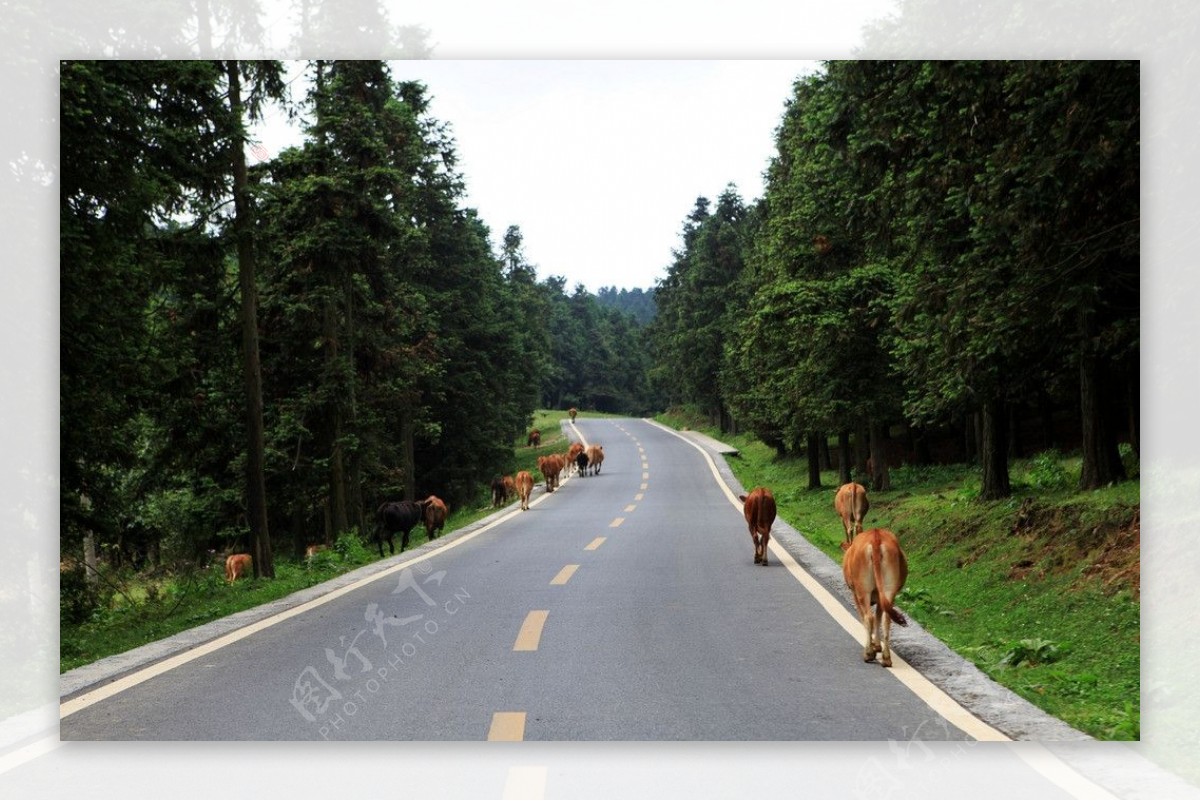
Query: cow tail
885, 603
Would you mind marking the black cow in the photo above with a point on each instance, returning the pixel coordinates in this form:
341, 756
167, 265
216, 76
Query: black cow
581, 461
400, 516
499, 492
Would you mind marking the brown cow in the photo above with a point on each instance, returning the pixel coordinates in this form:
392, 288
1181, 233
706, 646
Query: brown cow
435, 515
510, 488
595, 455
852, 506
572, 452
237, 565
535, 438
313, 550
551, 466
524, 482
572, 411
759, 509
875, 569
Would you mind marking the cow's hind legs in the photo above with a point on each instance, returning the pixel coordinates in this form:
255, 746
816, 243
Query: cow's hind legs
885, 638
869, 650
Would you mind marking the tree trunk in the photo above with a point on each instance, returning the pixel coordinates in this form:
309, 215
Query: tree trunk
844, 457
1046, 412
823, 447
970, 438
91, 565
862, 450
1101, 458
408, 459
1016, 447
994, 451
354, 499
814, 462
881, 479
1133, 404
337, 466
256, 490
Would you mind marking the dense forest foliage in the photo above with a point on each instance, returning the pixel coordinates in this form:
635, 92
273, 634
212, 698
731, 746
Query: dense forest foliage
258, 353
637, 303
944, 265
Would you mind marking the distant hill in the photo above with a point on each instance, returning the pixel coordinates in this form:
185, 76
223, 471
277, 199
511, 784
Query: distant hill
637, 303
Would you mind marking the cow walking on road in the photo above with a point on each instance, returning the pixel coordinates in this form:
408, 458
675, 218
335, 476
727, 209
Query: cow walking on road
851, 505
524, 482
759, 509
875, 569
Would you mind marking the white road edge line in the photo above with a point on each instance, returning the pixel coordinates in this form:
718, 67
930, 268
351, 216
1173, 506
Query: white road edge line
1036, 755
86, 699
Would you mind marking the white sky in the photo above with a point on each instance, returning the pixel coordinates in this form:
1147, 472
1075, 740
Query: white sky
599, 162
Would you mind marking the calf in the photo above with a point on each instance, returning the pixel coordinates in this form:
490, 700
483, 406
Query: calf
535, 438
759, 509
852, 505
875, 569
581, 463
524, 482
435, 515
397, 516
313, 550
237, 565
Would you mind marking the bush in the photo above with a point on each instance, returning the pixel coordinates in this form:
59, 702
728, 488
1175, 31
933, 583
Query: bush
1035, 651
78, 600
1046, 472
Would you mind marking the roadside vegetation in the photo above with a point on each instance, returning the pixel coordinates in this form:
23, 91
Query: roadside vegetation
1040, 590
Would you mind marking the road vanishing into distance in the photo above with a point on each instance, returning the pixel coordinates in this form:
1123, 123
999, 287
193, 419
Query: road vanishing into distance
625, 606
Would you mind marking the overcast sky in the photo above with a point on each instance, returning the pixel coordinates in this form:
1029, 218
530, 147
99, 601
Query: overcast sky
599, 162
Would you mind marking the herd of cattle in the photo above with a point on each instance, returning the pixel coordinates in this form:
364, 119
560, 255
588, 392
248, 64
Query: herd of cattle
873, 563
577, 460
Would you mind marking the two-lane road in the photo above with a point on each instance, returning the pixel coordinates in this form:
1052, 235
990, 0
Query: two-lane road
625, 606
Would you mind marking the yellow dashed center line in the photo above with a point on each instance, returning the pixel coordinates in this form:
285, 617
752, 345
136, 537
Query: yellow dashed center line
644, 486
531, 630
638, 497
594, 544
645, 476
565, 574
507, 727
616, 522
630, 507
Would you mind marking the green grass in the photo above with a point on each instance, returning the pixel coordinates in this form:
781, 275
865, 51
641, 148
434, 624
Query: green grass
1048, 608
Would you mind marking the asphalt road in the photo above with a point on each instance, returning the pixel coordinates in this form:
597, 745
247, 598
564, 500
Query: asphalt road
623, 607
